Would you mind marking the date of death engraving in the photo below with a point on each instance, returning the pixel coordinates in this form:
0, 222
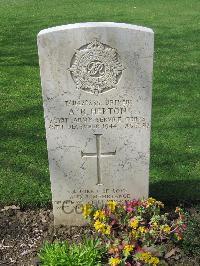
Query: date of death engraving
81, 123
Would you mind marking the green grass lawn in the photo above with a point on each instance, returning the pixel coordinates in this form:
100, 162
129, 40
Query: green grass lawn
175, 143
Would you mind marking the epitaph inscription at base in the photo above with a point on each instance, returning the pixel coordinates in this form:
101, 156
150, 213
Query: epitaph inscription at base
96, 84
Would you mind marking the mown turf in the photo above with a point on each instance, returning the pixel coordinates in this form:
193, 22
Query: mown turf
175, 149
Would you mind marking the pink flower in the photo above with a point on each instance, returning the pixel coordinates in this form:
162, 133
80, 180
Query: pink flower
130, 205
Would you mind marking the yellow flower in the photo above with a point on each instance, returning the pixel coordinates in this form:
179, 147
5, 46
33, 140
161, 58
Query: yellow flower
155, 225
114, 261
128, 249
106, 231
135, 234
150, 202
166, 228
99, 215
142, 230
98, 225
134, 223
154, 261
102, 228
112, 205
86, 210
148, 258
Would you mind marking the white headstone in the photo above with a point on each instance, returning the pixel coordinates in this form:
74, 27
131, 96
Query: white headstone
97, 82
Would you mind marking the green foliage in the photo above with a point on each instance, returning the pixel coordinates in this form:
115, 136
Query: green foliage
191, 240
88, 253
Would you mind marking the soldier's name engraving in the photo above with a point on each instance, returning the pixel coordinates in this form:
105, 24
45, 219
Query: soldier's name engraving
103, 111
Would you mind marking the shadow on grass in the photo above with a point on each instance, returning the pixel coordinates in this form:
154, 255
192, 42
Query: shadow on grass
175, 162
24, 144
176, 191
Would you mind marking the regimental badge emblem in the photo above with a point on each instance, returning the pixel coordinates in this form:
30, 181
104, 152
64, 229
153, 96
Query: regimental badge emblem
96, 68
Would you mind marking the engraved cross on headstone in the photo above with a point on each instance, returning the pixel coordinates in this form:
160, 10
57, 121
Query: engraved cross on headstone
98, 155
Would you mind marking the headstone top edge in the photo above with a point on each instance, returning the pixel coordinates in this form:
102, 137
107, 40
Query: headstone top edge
95, 25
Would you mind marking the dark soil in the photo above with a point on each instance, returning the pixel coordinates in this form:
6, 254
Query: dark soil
23, 232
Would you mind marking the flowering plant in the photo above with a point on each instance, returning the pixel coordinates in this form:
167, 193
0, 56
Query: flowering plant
134, 230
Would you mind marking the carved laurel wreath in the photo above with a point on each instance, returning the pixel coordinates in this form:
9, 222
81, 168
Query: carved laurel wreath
96, 68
